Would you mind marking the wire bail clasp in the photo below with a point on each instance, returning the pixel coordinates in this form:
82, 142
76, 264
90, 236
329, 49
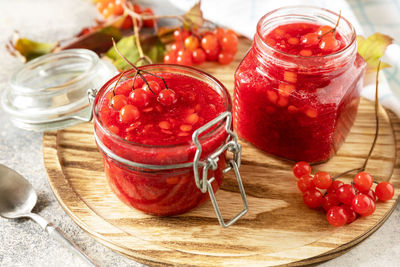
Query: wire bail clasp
205, 184
91, 94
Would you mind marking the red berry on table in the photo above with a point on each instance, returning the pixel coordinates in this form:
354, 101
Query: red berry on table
229, 42
301, 169
119, 101
191, 43
180, 35
384, 191
154, 86
313, 198
371, 210
305, 183
129, 114
330, 200
345, 194
336, 216
350, 213
210, 42
176, 47
212, 55
219, 33
225, 58
361, 204
371, 194
139, 97
322, 180
198, 56
167, 97
149, 23
170, 57
363, 181
335, 185
184, 58
127, 23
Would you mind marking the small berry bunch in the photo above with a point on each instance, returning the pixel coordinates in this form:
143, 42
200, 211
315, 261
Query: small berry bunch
110, 8
342, 202
135, 96
192, 49
131, 98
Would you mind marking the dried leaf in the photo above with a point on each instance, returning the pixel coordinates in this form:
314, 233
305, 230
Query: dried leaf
373, 48
98, 41
27, 49
166, 34
193, 17
151, 45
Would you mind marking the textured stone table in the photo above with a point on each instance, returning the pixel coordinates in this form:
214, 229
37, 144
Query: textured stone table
22, 242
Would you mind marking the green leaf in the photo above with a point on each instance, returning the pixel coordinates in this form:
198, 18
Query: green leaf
373, 48
151, 45
193, 18
28, 49
98, 41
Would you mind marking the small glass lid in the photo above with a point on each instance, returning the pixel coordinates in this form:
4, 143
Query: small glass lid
50, 92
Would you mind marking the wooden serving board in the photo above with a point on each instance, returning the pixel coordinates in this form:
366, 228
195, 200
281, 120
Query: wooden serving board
278, 229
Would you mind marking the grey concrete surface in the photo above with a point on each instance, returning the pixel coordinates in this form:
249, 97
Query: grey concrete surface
22, 242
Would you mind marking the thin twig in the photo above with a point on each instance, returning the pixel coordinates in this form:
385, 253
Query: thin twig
120, 54
362, 168
119, 78
376, 115
138, 16
334, 28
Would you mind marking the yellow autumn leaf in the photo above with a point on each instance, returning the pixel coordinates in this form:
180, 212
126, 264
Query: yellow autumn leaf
373, 48
193, 18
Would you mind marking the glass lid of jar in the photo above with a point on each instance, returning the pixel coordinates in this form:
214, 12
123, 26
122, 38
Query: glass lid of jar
50, 92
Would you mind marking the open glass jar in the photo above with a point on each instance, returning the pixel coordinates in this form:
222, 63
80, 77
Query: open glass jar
169, 179
298, 105
50, 92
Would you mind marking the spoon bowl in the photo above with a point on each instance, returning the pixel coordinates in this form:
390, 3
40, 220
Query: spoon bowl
17, 196
17, 199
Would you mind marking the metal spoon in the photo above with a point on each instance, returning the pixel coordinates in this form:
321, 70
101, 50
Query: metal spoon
17, 199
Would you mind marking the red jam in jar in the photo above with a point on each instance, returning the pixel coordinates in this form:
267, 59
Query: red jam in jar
145, 136
298, 88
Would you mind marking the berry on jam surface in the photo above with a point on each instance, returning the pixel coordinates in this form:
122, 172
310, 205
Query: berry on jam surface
305, 39
167, 117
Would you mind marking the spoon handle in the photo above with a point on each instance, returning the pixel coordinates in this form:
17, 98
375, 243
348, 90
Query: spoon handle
57, 234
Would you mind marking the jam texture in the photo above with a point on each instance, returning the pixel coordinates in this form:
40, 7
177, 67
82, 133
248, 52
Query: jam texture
159, 134
295, 95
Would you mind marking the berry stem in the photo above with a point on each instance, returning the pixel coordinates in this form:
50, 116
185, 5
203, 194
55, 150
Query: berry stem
334, 28
362, 168
142, 17
119, 78
138, 71
376, 115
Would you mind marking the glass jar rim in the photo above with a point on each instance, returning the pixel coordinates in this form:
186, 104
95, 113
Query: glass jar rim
310, 7
209, 77
77, 54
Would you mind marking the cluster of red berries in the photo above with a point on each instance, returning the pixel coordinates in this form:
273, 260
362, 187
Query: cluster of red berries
130, 102
191, 49
342, 202
110, 8
325, 38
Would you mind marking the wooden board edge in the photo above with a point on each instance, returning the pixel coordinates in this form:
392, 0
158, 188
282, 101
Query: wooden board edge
49, 157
